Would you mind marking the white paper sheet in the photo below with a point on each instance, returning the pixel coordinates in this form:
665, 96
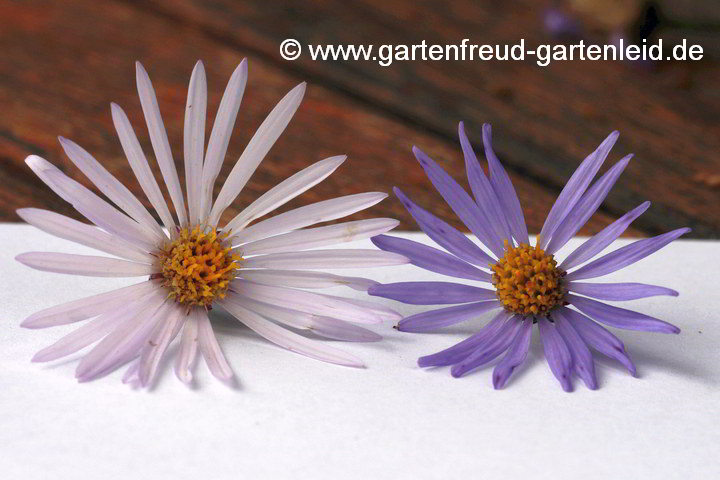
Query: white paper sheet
294, 417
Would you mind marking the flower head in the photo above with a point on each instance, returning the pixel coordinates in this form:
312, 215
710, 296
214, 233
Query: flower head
255, 270
530, 285
198, 266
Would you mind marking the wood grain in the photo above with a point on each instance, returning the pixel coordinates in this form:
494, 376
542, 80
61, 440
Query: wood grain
545, 119
63, 64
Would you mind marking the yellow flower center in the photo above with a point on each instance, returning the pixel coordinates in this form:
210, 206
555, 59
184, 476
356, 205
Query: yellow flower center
197, 266
527, 280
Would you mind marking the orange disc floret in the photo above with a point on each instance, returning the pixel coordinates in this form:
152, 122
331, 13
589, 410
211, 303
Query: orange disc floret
527, 280
198, 266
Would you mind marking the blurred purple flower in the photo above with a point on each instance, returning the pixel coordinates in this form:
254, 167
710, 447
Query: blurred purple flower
529, 285
560, 24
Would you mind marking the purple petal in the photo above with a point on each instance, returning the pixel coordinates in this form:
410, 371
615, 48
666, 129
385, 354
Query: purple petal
431, 258
460, 202
431, 293
624, 256
599, 338
586, 206
557, 353
504, 190
516, 355
582, 359
489, 350
602, 239
620, 317
445, 235
484, 194
457, 352
575, 187
443, 317
619, 291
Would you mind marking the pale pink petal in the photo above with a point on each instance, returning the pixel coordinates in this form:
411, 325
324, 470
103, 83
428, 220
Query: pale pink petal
306, 302
188, 348
41, 168
82, 233
102, 213
139, 165
85, 335
131, 374
259, 145
385, 313
319, 237
89, 306
308, 215
159, 140
290, 340
288, 316
323, 326
125, 342
210, 349
306, 279
110, 186
221, 132
285, 191
85, 265
194, 141
339, 330
321, 259
90, 205
158, 343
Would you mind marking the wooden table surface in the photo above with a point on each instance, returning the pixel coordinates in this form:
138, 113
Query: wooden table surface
62, 63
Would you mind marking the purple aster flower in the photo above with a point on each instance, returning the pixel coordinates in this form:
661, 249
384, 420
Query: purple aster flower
529, 286
256, 271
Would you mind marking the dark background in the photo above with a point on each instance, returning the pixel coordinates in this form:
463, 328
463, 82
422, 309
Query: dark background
62, 63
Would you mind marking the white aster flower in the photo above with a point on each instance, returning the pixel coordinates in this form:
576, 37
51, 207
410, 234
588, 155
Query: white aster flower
254, 271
